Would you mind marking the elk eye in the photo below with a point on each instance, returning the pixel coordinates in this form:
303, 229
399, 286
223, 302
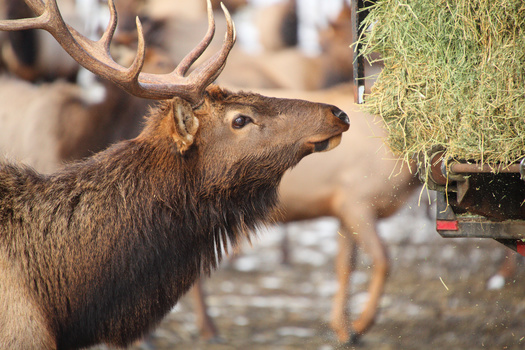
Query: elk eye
241, 121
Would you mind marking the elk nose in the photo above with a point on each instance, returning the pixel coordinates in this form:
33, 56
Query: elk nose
340, 115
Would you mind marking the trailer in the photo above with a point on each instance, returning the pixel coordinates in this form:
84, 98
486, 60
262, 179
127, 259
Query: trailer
480, 201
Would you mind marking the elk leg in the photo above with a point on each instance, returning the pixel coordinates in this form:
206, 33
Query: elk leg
285, 248
366, 237
344, 265
508, 267
207, 328
371, 243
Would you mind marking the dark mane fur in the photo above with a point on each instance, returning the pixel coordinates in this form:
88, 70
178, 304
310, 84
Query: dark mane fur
138, 216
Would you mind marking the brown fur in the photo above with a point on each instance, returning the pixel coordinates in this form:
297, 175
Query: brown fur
103, 248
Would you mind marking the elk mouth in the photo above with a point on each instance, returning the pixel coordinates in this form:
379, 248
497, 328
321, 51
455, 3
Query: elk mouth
328, 144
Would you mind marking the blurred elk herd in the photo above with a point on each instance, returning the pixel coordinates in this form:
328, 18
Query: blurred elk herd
52, 112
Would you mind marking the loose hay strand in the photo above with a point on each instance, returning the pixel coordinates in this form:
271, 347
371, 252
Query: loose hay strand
453, 77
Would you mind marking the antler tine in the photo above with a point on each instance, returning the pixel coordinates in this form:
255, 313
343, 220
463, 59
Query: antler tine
21, 24
138, 62
205, 74
112, 26
92, 55
191, 88
190, 58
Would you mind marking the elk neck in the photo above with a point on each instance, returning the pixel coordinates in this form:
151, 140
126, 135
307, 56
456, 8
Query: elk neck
129, 224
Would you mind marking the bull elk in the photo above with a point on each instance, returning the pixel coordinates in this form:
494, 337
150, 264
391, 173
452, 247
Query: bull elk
102, 249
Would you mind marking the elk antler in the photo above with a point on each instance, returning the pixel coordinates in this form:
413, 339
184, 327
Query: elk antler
95, 56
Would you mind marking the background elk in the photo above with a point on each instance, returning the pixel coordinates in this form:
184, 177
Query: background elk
193, 10
203, 172
277, 25
34, 55
45, 124
364, 183
49, 124
290, 67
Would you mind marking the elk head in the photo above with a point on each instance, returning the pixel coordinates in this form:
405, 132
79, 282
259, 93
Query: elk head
201, 120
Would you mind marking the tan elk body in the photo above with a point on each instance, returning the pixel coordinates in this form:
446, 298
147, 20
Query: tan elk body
360, 182
283, 68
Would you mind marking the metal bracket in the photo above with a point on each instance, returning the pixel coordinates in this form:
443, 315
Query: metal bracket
358, 16
449, 225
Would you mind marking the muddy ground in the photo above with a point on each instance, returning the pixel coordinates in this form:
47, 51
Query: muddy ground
436, 296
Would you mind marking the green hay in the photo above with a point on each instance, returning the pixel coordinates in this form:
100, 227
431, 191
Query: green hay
453, 77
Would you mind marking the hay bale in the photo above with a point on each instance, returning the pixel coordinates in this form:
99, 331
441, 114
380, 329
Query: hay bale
453, 77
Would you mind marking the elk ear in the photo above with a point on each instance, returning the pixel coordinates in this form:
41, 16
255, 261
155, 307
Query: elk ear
183, 123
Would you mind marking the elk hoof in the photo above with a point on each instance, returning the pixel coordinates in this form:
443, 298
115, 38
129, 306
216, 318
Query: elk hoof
353, 341
216, 340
